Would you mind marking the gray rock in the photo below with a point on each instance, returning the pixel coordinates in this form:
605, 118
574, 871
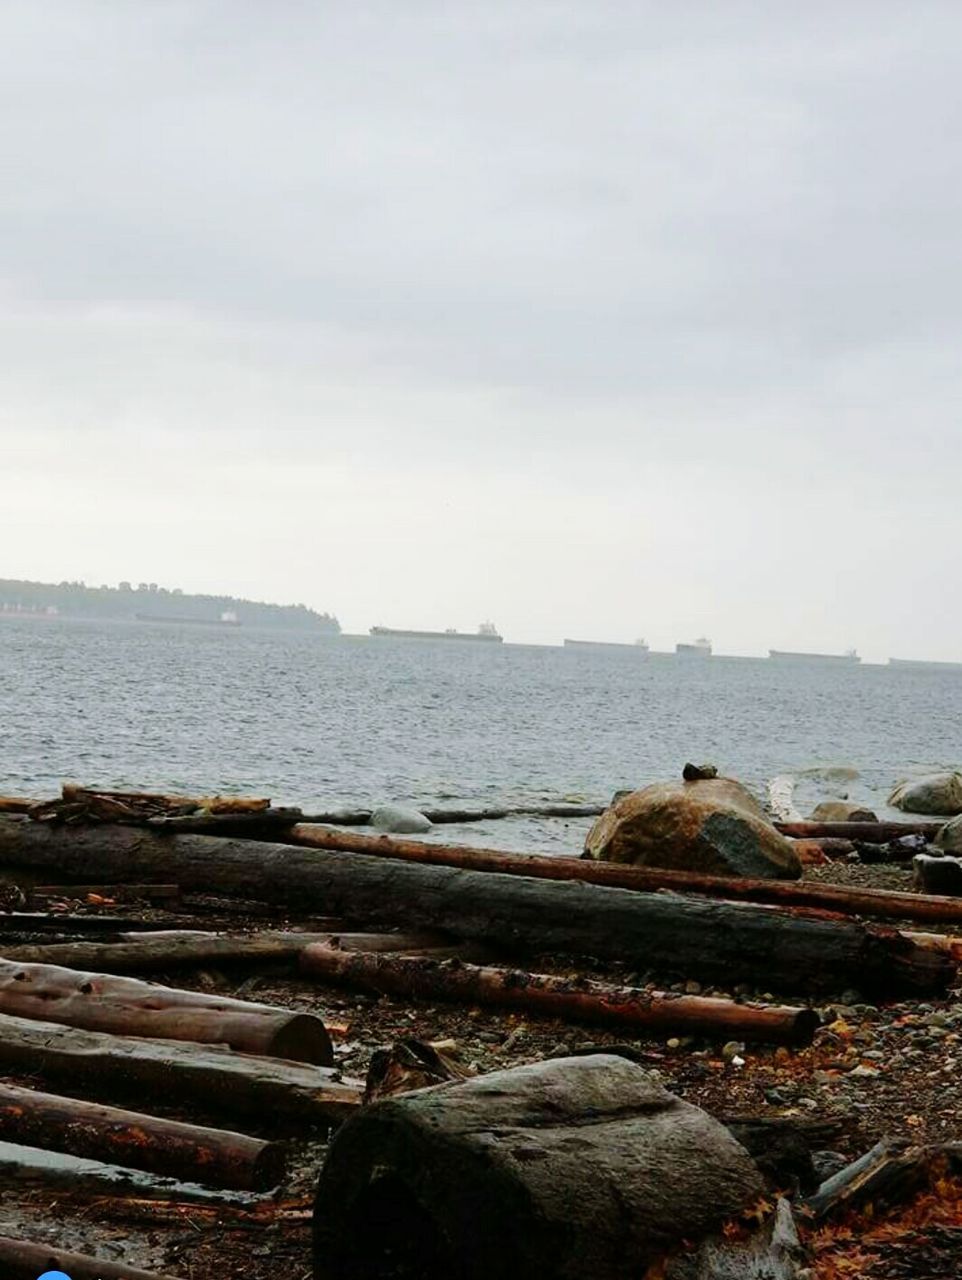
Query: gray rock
400, 819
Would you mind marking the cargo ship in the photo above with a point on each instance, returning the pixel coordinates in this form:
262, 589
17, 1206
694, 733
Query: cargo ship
850, 657
639, 646
701, 648
486, 631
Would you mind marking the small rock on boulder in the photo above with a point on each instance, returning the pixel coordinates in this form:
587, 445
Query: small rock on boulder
714, 826
842, 811
939, 793
400, 819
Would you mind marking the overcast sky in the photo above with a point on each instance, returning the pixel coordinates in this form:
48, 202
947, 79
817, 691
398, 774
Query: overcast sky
597, 319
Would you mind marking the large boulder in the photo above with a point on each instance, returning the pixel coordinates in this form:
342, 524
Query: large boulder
842, 811
939, 793
713, 825
949, 839
400, 819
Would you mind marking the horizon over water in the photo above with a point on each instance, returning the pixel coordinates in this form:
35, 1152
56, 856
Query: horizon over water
326, 722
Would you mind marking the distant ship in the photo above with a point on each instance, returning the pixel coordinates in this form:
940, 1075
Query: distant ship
486, 631
227, 619
786, 655
700, 649
921, 664
639, 646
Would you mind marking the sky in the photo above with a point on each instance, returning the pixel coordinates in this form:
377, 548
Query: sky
601, 319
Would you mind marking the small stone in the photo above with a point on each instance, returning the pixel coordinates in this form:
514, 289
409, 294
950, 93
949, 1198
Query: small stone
673, 1043
862, 1072
743, 989
733, 1049
692, 988
851, 997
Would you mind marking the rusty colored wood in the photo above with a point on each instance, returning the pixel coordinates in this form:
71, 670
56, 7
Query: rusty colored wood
867, 832
127, 1006
72, 793
189, 1152
946, 944
883, 904
234, 1083
16, 804
22, 1260
578, 1000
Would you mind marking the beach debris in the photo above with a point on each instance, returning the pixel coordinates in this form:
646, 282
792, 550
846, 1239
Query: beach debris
938, 793
573, 1166
410, 1064
714, 826
575, 999
699, 772
119, 1005
701, 938
400, 819
212, 1075
188, 1152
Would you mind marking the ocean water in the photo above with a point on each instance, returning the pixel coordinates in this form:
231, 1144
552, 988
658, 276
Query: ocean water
333, 721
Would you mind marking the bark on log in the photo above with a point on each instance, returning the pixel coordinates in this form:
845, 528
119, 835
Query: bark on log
236, 1083
948, 945
184, 950
126, 1006
185, 1151
703, 939
883, 904
73, 793
892, 1171
20, 1260
866, 832
578, 1000
561, 1170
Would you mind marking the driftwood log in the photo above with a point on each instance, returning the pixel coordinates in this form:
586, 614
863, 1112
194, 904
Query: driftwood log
565, 1169
578, 1000
237, 1083
178, 949
21, 1260
703, 939
185, 1151
876, 903
865, 832
892, 1171
126, 1006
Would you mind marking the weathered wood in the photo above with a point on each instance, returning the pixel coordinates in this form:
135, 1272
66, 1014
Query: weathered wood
892, 1171
71, 792
410, 1064
867, 832
186, 949
703, 939
16, 804
236, 1083
22, 1260
564, 1169
185, 1151
883, 904
578, 1000
127, 1006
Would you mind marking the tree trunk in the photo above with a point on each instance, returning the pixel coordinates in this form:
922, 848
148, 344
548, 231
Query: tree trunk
564, 1169
577, 1000
20, 1260
879, 903
700, 939
178, 950
184, 1151
209, 1074
126, 1006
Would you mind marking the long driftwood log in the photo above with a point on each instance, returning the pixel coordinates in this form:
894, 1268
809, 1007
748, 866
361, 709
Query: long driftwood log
237, 1083
189, 1152
564, 1169
876, 903
699, 938
23, 1260
578, 1000
178, 950
127, 1006
866, 832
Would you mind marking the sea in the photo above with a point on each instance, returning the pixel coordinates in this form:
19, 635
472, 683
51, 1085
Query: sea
326, 722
